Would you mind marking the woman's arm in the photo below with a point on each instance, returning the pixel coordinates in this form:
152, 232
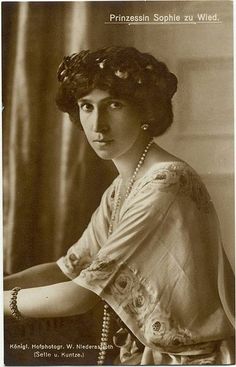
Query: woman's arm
57, 300
36, 276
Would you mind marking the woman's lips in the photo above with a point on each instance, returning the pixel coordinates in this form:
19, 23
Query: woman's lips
102, 142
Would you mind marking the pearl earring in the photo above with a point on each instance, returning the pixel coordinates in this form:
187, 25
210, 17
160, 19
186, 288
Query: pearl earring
145, 126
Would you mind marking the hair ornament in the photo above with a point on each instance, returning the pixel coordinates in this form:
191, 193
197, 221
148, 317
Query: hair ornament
73, 56
122, 74
62, 74
149, 67
101, 64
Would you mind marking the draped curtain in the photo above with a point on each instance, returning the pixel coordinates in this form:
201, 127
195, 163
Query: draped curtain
52, 179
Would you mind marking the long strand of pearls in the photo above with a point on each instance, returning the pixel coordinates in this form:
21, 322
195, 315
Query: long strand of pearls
139, 165
104, 336
106, 315
114, 211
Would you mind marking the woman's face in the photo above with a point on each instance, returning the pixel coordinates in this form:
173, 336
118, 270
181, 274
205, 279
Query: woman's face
111, 125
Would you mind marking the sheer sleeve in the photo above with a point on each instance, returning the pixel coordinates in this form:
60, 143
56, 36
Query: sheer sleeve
81, 254
153, 269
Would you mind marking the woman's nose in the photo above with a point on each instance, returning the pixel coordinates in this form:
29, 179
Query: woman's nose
100, 122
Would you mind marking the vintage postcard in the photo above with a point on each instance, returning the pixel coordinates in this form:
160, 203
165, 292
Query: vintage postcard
118, 182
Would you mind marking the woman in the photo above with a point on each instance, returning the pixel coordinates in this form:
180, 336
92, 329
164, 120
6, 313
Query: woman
152, 250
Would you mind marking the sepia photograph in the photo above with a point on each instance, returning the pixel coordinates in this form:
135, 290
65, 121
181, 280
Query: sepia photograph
118, 183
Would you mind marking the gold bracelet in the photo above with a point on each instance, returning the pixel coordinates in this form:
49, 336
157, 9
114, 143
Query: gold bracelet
13, 304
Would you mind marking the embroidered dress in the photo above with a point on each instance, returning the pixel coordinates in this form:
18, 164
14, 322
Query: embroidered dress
162, 270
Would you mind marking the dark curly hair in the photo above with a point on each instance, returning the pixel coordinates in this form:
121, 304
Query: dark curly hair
125, 73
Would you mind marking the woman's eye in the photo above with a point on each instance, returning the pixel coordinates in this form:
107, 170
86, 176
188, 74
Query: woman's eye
116, 105
86, 107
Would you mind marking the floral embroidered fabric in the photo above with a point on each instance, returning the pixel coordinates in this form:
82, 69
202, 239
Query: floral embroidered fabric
159, 269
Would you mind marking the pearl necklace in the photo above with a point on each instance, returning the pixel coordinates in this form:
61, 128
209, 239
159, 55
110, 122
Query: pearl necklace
106, 315
139, 165
104, 336
129, 188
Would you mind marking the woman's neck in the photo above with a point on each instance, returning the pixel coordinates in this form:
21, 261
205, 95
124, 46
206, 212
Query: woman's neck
127, 163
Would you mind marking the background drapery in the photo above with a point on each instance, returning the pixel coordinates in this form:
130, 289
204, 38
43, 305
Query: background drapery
52, 179
48, 167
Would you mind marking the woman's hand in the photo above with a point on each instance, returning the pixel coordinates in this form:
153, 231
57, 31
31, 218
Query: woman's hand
57, 300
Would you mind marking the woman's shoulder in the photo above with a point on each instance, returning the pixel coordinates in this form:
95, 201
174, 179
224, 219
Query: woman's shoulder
177, 177
165, 168
169, 172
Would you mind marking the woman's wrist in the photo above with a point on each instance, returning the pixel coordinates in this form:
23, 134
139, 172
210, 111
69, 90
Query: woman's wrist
10, 304
13, 304
57, 300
